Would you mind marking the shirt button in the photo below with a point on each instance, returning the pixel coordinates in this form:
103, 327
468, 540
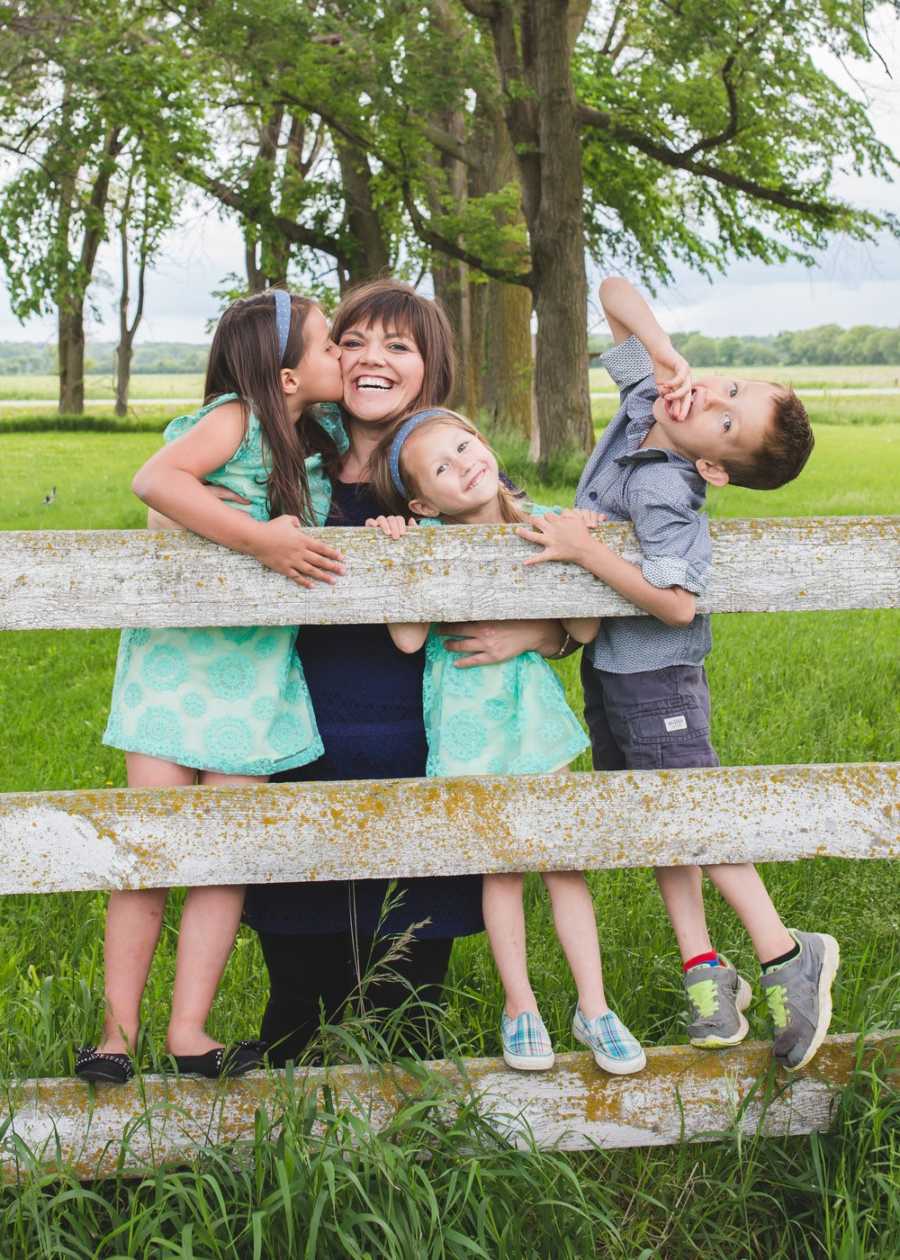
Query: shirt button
592, 494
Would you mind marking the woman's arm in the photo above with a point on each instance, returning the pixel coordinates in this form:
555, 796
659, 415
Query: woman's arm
582, 629
171, 483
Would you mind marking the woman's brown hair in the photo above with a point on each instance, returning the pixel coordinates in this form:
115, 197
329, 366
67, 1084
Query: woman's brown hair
244, 360
387, 493
398, 308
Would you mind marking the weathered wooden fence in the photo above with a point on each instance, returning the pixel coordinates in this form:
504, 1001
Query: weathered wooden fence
55, 841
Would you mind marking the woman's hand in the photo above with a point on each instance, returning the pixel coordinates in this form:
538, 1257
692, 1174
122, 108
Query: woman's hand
282, 545
394, 526
490, 642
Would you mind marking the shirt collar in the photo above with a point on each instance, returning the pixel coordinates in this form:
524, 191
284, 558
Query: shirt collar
635, 432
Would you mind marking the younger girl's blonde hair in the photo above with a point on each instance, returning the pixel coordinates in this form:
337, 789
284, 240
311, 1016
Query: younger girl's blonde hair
382, 482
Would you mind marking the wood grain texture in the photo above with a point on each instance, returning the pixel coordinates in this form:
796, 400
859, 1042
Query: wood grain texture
683, 1095
84, 579
137, 838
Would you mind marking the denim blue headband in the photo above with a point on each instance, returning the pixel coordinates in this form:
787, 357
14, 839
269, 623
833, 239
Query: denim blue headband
282, 319
407, 427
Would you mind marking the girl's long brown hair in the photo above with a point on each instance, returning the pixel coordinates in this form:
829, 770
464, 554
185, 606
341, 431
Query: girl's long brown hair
399, 308
243, 360
510, 511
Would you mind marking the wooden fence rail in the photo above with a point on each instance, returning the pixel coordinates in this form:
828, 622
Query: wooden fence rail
71, 841
120, 838
683, 1095
113, 578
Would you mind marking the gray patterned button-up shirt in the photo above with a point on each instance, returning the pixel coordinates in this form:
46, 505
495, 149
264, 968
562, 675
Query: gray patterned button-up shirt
662, 494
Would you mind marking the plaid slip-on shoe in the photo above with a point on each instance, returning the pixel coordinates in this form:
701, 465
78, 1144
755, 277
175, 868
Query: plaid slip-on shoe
612, 1045
526, 1042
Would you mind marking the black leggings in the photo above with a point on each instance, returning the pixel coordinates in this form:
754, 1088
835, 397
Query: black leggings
311, 973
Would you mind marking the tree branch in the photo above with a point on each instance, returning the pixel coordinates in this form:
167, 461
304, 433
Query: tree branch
683, 161
444, 245
294, 232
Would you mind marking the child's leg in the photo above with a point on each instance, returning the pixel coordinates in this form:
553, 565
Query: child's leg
743, 889
681, 888
133, 922
504, 919
576, 928
209, 924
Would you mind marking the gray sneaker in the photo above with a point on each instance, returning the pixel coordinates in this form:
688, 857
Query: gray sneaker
799, 998
718, 996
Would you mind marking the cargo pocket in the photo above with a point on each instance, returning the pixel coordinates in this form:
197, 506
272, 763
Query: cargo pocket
666, 735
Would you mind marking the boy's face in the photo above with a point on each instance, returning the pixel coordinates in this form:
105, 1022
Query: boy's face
727, 419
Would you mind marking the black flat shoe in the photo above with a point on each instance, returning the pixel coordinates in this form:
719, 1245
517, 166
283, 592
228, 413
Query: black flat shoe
92, 1065
233, 1060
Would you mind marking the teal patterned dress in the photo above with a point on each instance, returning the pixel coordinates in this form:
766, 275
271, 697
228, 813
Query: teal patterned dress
510, 718
231, 699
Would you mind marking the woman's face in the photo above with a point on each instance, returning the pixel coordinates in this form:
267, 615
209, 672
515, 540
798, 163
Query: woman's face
382, 370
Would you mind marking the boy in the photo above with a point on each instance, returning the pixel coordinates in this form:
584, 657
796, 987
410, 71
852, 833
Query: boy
646, 695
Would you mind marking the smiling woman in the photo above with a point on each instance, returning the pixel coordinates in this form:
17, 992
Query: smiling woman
319, 939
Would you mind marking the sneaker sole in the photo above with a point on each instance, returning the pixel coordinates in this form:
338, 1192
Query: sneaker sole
741, 1002
529, 1062
617, 1067
830, 964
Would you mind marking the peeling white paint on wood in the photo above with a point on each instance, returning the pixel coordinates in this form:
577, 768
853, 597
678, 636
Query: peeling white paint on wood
133, 838
683, 1095
83, 579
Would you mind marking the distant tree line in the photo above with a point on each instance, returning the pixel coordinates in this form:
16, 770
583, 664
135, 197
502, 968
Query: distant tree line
828, 343
26, 358
489, 145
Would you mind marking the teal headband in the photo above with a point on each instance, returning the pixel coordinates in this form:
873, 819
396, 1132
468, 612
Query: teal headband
282, 319
407, 427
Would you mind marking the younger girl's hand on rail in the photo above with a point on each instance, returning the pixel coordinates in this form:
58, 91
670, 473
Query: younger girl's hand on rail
394, 526
282, 545
490, 642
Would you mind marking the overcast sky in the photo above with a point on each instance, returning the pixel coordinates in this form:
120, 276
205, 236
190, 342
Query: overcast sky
851, 283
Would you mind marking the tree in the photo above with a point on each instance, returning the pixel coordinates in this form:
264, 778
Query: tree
145, 212
77, 89
685, 137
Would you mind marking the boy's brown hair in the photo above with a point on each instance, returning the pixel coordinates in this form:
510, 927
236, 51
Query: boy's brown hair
784, 450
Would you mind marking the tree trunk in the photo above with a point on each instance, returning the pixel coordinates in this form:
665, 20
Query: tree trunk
557, 240
534, 42
70, 349
508, 356
370, 256
71, 302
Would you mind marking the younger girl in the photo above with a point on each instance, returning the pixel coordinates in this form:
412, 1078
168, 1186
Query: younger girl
219, 706
500, 719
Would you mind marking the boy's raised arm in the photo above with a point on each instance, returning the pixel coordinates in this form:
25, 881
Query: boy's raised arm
628, 315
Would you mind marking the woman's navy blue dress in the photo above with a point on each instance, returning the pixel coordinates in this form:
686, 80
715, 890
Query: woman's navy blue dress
367, 698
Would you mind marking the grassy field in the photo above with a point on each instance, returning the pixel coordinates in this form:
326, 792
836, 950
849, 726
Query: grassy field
800, 375
791, 688
101, 386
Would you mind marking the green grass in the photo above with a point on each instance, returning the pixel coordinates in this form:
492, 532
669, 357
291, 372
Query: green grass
800, 375
787, 688
100, 385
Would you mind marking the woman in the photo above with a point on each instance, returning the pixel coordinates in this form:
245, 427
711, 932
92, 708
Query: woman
319, 938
